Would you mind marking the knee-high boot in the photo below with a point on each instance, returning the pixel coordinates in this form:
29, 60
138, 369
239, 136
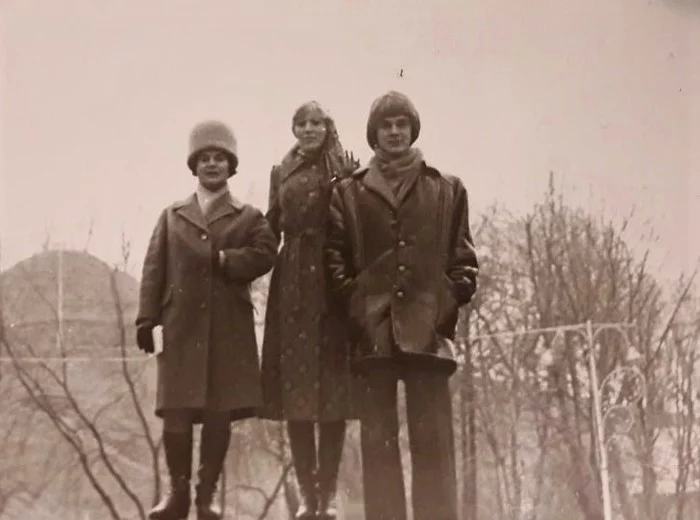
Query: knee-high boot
178, 456
330, 450
302, 442
213, 449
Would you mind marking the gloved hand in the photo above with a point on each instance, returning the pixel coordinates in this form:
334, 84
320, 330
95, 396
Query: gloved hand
349, 165
466, 290
464, 284
144, 337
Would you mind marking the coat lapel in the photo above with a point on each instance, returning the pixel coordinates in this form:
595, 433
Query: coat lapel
373, 181
190, 211
407, 186
291, 163
223, 206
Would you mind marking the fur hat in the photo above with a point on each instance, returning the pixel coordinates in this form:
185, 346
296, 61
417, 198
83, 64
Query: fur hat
212, 134
391, 104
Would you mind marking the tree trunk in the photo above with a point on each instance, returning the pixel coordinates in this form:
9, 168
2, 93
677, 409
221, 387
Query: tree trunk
468, 402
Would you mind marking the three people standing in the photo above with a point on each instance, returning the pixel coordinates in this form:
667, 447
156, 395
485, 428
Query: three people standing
365, 292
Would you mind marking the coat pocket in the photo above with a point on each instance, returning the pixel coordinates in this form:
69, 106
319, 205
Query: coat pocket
166, 303
448, 309
357, 307
167, 297
355, 302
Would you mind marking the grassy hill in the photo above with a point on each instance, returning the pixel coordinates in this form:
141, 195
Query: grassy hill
90, 292
58, 404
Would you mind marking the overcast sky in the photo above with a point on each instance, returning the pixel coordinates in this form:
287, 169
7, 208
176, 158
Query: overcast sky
98, 98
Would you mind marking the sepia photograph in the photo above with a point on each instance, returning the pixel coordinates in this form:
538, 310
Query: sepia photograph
350, 260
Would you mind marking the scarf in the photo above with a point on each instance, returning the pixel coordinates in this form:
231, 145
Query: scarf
400, 173
206, 198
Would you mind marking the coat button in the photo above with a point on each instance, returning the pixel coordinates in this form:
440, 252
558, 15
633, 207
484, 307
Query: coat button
402, 268
399, 293
402, 243
204, 236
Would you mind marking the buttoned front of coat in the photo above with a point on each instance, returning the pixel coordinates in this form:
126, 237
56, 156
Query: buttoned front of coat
210, 356
403, 266
305, 357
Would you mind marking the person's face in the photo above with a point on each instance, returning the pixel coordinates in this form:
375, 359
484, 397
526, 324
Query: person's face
310, 131
212, 169
394, 135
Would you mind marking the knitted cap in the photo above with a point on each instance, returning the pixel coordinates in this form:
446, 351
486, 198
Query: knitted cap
212, 134
391, 104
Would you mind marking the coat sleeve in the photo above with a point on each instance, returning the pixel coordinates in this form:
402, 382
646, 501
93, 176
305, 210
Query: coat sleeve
273, 206
153, 274
464, 267
257, 256
338, 247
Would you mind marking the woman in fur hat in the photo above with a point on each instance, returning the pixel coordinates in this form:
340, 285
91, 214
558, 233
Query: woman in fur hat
305, 360
203, 254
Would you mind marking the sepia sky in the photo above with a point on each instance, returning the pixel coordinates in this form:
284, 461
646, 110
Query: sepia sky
98, 98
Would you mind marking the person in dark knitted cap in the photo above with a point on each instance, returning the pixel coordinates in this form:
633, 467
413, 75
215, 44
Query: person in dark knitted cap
305, 355
202, 256
400, 255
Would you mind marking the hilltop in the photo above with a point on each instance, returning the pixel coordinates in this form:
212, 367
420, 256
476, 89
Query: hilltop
29, 292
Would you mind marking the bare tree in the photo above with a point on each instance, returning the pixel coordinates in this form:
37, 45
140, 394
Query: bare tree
682, 366
561, 266
99, 429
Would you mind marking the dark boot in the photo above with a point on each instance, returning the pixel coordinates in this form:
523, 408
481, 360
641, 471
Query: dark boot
330, 451
178, 456
303, 446
213, 449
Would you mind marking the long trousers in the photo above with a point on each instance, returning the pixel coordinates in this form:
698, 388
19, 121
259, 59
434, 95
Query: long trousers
431, 441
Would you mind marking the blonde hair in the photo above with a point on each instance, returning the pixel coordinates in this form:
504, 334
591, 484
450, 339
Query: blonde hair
331, 147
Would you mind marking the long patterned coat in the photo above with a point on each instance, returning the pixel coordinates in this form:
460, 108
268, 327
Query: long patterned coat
210, 356
305, 361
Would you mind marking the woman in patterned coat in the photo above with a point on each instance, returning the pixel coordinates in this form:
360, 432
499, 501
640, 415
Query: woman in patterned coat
305, 357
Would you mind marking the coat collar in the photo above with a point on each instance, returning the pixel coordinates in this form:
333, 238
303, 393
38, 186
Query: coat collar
291, 162
375, 182
428, 169
372, 180
223, 206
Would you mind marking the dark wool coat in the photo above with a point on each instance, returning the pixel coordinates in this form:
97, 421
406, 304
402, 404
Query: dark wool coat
210, 357
305, 357
402, 267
